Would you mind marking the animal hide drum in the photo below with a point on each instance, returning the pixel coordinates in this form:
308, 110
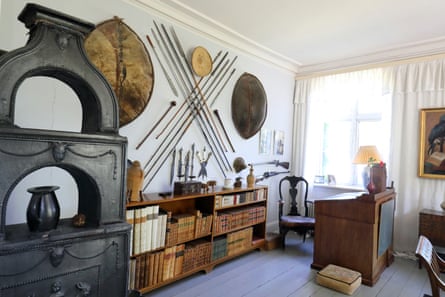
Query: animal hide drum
122, 57
249, 105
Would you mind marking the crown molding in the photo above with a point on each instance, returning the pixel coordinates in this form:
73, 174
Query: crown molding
407, 52
184, 15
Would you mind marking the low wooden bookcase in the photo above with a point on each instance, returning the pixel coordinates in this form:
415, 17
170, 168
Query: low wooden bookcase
175, 236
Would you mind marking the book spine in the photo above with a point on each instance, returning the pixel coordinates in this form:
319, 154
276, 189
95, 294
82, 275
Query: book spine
143, 230
179, 259
130, 220
137, 232
154, 235
149, 235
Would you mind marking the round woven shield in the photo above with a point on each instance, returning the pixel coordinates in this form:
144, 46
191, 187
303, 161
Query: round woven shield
249, 105
201, 61
117, 51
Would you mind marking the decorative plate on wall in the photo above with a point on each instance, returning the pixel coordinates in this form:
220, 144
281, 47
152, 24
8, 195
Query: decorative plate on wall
117, 51
249, 105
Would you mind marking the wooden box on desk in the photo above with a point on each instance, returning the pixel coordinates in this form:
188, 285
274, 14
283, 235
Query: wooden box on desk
189, 187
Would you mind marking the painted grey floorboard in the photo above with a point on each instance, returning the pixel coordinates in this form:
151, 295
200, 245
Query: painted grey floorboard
288, 273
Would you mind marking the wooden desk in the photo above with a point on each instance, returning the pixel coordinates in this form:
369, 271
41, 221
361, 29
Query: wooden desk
355, 232
432, 225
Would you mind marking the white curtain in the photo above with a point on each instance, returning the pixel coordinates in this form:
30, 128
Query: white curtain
412, 87
321, 98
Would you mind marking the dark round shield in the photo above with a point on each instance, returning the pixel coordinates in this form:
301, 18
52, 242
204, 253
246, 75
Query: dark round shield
249, 105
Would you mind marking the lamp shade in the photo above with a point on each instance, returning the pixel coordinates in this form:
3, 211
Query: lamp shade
367, 154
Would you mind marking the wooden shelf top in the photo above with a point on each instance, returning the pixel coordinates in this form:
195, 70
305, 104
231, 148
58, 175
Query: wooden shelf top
156, 198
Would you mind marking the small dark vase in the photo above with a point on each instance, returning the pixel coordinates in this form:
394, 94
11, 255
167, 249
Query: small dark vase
43, 210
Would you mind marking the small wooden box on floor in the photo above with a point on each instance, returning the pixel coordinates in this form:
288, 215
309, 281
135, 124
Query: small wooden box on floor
339, 278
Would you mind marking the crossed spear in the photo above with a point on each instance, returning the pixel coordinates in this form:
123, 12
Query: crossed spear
196, 100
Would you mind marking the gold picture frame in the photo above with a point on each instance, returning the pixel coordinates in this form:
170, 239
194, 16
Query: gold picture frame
432, 143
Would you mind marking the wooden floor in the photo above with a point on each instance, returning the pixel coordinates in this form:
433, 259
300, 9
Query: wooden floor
279, 273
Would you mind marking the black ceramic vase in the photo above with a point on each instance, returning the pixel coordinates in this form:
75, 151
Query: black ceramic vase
43, 210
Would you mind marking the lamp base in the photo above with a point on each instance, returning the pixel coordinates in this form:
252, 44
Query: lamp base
365, 176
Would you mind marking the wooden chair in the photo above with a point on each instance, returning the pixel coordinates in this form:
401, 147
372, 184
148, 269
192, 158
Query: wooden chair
433, 263
293, 220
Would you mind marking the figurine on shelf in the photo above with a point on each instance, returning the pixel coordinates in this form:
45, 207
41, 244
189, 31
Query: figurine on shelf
212, 184
135, 179
250, 178
238, 182
203, 159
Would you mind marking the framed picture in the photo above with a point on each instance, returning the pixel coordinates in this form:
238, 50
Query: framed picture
278, 142
432, 143
265, 141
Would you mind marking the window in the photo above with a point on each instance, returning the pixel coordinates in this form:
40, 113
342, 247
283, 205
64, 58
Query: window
344, 112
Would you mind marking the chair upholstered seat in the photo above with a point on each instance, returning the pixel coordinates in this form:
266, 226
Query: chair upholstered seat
293, 220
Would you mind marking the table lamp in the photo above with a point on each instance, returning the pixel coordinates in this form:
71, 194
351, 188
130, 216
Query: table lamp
367, 154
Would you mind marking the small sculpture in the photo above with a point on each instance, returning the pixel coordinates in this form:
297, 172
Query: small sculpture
203, 159
212, 184
135, 179
250, 178
79, 220
239, 164
84, 288
56, 289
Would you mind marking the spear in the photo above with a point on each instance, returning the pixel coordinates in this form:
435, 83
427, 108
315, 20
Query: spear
206, 129
169, 80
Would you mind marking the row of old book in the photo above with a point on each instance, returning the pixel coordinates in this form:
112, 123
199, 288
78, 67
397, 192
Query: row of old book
150, 269
231, 219
155, 228
149, 228
239, 241
239, 198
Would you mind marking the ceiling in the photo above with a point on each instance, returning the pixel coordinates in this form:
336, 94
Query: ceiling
314, 35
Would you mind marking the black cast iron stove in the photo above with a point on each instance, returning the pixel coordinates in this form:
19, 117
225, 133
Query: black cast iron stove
67, 261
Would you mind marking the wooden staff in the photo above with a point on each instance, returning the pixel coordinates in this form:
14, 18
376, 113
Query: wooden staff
224, 129
172, 104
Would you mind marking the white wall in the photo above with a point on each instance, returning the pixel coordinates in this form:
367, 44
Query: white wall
278, 84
